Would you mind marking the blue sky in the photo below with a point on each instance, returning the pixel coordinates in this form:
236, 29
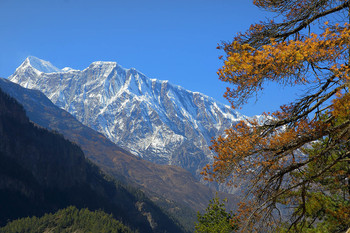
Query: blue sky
167, 40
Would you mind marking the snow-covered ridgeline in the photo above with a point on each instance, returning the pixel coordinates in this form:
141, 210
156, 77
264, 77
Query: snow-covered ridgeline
154, 119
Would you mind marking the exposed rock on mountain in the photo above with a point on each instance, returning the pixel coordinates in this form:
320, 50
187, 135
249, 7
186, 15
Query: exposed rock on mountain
153, 119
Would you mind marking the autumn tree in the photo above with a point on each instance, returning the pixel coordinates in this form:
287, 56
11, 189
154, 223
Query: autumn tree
300, 154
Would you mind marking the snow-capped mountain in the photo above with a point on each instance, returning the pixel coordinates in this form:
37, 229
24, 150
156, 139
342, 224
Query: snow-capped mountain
153, 119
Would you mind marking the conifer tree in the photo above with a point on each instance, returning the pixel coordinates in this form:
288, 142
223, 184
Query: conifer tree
215, 219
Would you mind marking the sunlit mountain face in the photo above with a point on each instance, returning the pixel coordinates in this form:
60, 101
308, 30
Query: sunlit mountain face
153, 119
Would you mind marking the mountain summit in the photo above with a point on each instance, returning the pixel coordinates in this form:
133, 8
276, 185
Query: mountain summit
153, 119
40, 65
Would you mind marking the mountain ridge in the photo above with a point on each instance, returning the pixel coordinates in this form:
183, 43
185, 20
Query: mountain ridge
172, 183
153, 119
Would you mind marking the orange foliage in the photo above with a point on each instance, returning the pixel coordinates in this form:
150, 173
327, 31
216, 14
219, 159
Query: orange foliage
248, 68
271, 156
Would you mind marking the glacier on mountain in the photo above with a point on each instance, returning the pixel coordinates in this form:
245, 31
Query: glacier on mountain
153, 119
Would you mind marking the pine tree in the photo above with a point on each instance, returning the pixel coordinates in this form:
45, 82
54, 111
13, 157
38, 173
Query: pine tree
215, 219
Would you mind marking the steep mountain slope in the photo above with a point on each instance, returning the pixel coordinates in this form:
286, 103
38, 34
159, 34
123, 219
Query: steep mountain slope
165, 184
40, 172
153, 119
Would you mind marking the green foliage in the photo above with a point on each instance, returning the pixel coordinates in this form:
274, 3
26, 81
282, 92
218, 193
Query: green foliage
68, 220
326, 206
216, 219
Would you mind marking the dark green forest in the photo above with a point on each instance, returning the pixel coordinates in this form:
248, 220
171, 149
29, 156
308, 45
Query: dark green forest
67, 220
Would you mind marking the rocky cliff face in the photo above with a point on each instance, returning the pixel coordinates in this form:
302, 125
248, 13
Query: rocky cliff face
153, 119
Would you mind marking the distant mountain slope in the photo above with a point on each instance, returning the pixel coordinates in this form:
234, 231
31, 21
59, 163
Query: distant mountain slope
154, 119
40, 172
167, 182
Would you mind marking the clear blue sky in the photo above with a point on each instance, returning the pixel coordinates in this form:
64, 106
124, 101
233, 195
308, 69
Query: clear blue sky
171, 40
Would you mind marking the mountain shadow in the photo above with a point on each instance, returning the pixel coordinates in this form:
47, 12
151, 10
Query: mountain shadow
41, 172
173, 188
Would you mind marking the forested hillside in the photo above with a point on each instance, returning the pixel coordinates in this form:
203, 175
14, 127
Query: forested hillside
171, 187
68, 220
42, 172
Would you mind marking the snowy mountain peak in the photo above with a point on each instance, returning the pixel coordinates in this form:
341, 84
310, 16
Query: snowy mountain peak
68, 69
104, 63
156, 120
40, 65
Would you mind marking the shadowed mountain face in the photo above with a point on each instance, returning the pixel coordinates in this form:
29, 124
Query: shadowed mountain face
153, 119
41, 171
164, 183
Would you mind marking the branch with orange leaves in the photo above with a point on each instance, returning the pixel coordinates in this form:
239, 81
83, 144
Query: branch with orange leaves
286, 63
273, 157
266, 154
274, 162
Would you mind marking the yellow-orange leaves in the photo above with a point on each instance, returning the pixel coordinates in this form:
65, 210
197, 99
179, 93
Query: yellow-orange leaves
248, 149
304, 147
341, 106
287, 63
